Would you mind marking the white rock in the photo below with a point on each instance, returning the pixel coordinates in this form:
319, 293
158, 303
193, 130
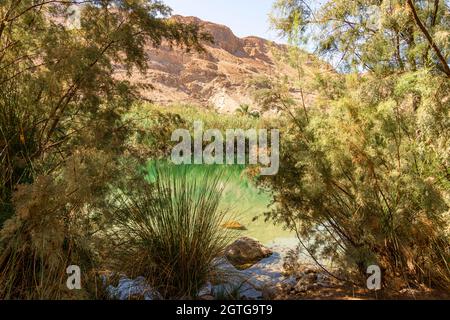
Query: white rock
128, 288
256, 281
206, 290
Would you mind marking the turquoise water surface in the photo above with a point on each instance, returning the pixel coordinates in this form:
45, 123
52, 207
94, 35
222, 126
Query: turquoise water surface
243, 201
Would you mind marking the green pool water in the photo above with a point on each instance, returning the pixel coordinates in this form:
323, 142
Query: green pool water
244, 202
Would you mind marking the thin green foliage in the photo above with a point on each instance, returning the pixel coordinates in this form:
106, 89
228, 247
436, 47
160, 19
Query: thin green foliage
170, 229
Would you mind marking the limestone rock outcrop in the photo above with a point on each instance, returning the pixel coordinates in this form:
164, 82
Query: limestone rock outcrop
218, 77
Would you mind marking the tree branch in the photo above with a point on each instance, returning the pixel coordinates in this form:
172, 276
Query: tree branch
430, 40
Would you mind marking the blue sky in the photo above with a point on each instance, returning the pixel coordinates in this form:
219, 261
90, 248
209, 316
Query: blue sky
244, 17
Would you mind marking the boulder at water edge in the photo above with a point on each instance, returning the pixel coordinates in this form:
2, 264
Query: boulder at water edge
245, 252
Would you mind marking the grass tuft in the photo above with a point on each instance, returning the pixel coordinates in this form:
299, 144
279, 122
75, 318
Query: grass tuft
170, 229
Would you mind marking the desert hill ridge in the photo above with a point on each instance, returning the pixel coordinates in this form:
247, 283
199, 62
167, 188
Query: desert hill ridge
217, 77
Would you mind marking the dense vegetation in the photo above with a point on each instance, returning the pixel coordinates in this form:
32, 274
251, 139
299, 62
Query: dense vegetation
172, 229
365, 168
62, 129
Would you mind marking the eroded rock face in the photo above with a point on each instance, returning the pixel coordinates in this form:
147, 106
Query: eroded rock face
245, 252
219, 77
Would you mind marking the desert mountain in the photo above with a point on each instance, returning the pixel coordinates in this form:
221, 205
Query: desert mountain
218, 77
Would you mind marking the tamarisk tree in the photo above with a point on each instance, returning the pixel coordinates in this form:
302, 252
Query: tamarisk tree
57, 84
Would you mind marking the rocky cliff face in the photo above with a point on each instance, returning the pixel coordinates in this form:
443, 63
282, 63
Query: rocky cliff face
218, 77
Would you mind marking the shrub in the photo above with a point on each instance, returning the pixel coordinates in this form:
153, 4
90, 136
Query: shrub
365, 181
55, 224
170, 229
18, 143
39, 242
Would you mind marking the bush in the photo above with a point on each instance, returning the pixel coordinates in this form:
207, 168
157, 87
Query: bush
170, 229
366, 179
56, 224
18, 143
39, 242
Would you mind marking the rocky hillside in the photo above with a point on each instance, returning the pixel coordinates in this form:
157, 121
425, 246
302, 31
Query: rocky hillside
218, 77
